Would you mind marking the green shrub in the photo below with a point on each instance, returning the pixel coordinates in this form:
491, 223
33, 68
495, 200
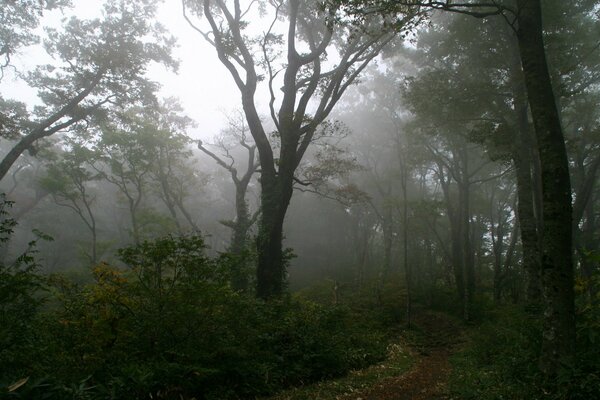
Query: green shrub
20, 300
501, 361
168, 325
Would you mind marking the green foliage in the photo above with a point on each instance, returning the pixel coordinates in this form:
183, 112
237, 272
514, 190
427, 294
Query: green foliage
397, 361
19, 300
501, 362
19, 19
500, 359
168, 325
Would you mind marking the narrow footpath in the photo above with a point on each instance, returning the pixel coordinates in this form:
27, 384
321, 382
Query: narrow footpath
438, 338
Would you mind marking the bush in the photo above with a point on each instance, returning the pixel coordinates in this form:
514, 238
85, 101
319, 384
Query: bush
168, 325
19, 302
501, 361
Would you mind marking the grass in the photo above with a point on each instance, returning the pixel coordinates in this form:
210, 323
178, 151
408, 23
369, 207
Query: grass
398, 360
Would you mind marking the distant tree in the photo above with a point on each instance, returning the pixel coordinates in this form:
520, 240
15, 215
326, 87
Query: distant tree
145, 154
525, 19
68, 180
237, 135
170, 156
314, 32
127, 164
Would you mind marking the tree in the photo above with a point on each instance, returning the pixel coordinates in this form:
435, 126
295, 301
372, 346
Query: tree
236, 134
144, 152
103, 62
18, 19
558, 345
525, 18
313, 33
169, 154
387, 162
68, 181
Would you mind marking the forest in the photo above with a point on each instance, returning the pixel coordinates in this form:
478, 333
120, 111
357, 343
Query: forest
300, 199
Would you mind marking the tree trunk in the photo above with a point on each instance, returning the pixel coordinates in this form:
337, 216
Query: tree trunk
468, 271
94, 246
275, 199
171, 206
135, 231
239, 238
455, 237
558, 342
386, 226
497, 236
587, 243
522, 161
407, 267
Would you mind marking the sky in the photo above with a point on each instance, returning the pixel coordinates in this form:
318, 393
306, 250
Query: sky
202, 84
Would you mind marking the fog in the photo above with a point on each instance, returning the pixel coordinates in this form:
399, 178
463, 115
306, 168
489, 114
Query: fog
171, 170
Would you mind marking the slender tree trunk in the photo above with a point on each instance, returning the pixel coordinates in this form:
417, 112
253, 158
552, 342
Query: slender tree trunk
168, 200
466, 264
94, 246
171, 207
239, 238
386, 226
586, 244
497, 236
92, 226
135, 231
407, 268
558, 341
186, 214
456, 249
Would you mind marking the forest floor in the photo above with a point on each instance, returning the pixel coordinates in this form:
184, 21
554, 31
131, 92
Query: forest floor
417, 367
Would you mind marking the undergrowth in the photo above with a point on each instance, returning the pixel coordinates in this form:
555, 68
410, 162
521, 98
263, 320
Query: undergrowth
501, 362
167, 325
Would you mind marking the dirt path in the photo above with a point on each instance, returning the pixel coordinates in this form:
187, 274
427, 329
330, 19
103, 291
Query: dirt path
427, 379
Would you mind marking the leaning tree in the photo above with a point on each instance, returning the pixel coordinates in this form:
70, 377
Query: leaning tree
99, 63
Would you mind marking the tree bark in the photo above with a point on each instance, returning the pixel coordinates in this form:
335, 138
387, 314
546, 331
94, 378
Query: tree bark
558, 342
270, 272
407, 267
468, 270
522, 160
497, 231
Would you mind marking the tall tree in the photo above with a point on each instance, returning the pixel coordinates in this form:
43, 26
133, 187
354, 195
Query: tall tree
68, 181
314, 32
525, 18
127, 164
168, 150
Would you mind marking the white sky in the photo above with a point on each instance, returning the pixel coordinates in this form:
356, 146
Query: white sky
203, 85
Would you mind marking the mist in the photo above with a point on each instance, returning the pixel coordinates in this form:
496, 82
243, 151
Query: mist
299, 200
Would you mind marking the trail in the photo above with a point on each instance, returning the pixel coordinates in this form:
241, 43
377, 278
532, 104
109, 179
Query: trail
427, 379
